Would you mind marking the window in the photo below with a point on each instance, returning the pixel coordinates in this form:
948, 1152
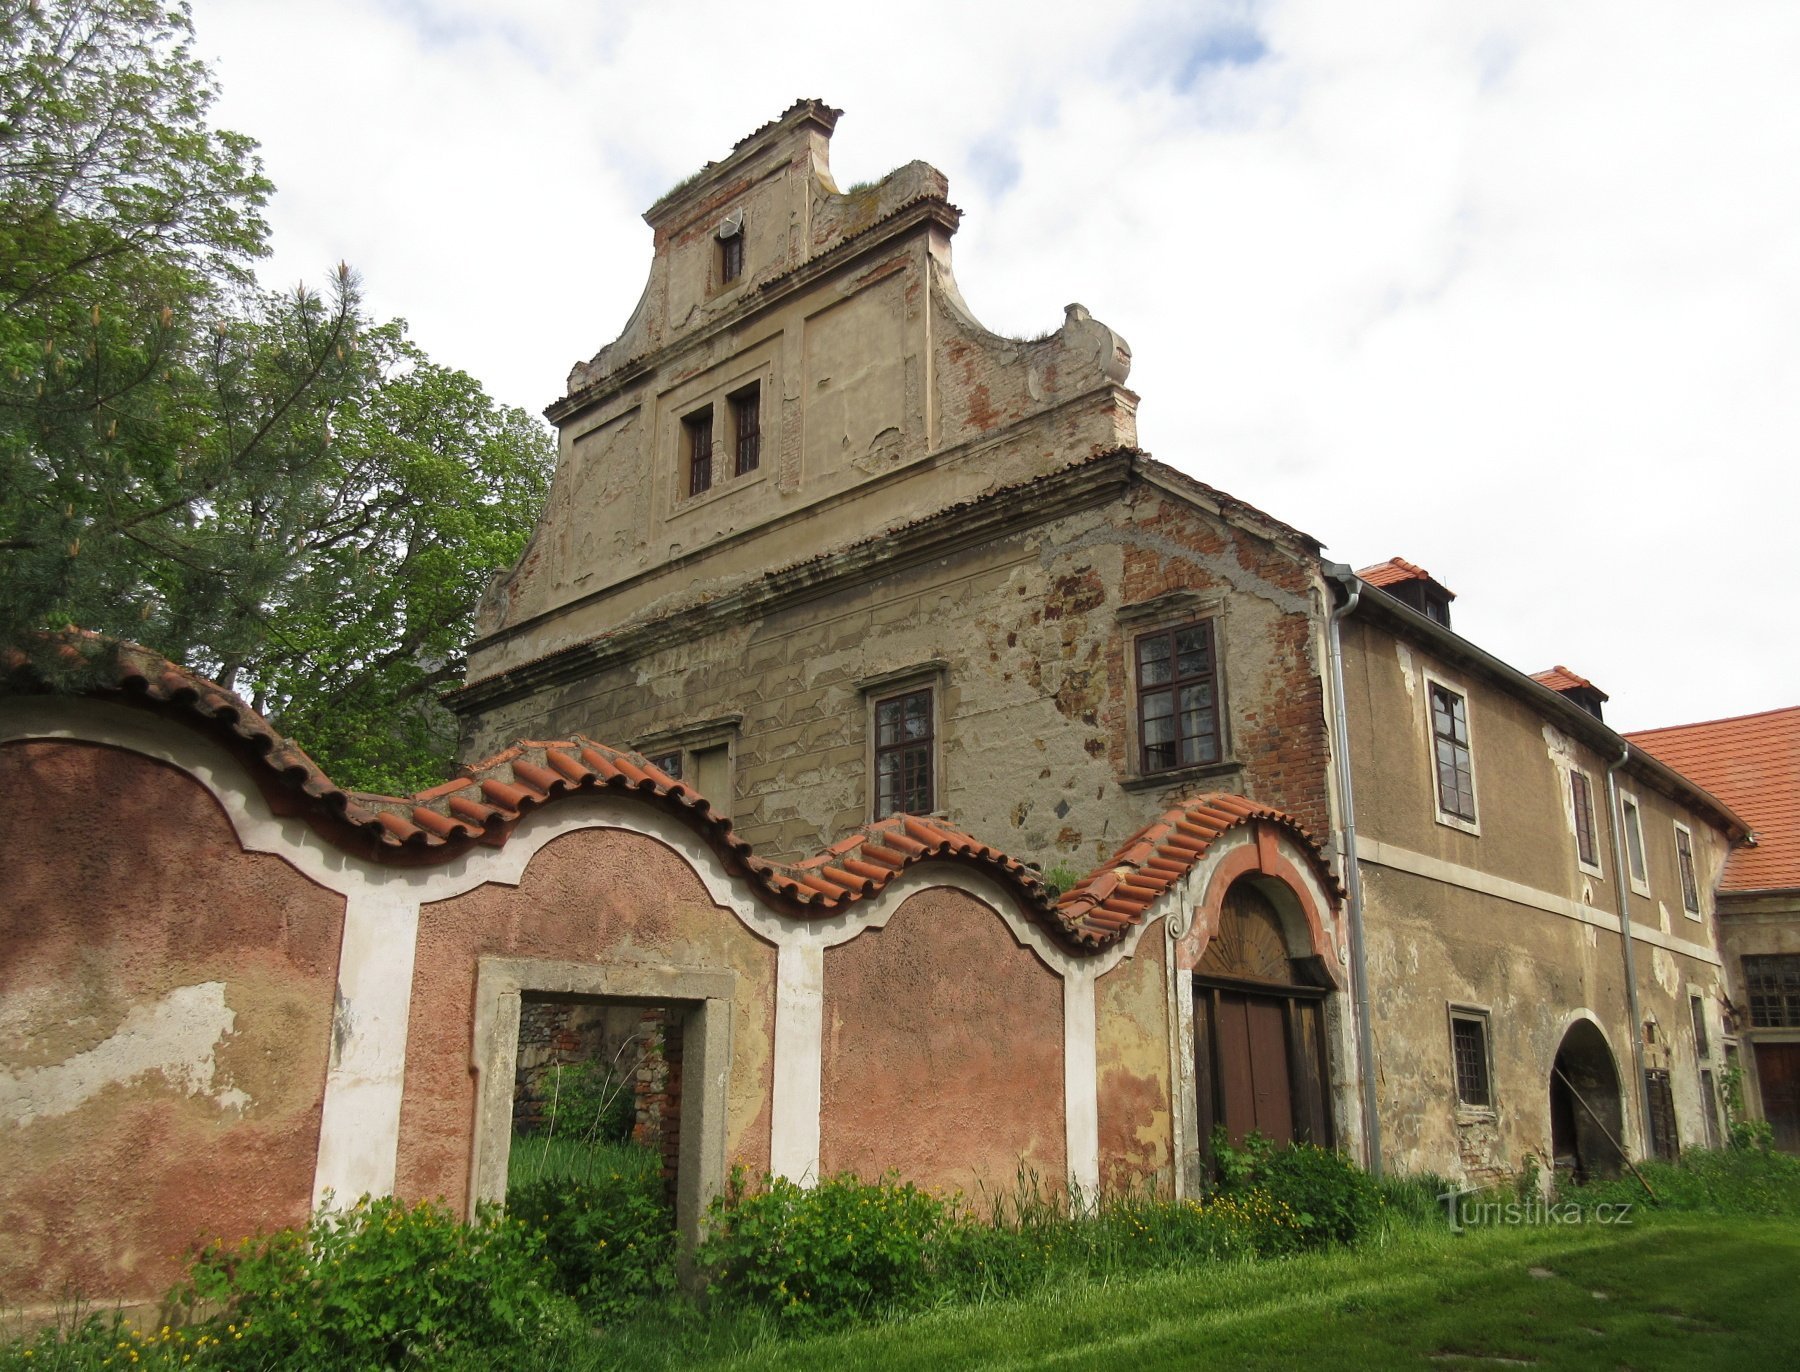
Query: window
697, 429
1709, 1107
1634, 844
1581, 792
1773, 983
1684, 858
1469, 1050
698, 753
1178, 698
1665, 1140
746, 429
1450, 754
667, 763
903, 754
1698, 1007
731, 248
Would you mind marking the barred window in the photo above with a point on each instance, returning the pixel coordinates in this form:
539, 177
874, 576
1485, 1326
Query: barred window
1772, 981
1468, 1047
697, 429
746, 429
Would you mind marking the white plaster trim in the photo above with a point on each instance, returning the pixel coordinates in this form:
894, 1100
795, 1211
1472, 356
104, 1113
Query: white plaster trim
1081, 1086
1485, 883
359, 1128
799, 1062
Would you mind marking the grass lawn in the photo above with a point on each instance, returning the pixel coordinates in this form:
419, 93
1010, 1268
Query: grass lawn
1664, 1292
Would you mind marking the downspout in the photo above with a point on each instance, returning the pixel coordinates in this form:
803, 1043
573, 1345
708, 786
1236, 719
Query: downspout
1359, 968
1622, 882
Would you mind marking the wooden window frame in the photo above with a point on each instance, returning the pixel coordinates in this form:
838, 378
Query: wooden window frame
1482, 1022
1772, 989
901, 747
731, 256
746, 438
1688, 871
1587, 830
697, 446
1211, 678
1637, 856
1463, 752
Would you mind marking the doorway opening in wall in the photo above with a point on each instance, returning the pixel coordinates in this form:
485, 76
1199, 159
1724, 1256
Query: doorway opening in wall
1259, 1029
1586, 1106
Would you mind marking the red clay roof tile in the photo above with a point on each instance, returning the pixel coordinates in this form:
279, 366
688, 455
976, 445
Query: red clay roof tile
1752, 763
1560, 678
1398, 569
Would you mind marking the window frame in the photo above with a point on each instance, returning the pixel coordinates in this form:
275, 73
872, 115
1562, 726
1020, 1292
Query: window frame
1687, 871
1594, 865
745, 400
1482, 1019
1468, 824
695, 425
1772, 977
684, 741
898, 693
1213, 678
1637, 865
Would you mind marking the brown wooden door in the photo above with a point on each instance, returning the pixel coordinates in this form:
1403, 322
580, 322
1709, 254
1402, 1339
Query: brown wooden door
1778, 1073
1255, 1089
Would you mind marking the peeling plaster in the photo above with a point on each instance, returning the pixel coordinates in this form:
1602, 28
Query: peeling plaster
176, 1037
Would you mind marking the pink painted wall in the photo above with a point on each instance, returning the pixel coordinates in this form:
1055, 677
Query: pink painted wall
942, 1051
130, 910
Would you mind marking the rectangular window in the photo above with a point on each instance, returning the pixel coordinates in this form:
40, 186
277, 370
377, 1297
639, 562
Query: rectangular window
1665, 1140
731, 257
1772, 981
1581, 791
746, 429
1450, 748
697, 430
1698, 1007
903, 754
1469, 1049
1684, 858
1634, 845
1178, 698
668, 763
1709, 1107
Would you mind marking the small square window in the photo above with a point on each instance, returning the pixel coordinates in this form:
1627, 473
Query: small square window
697, 434
1469, 1049
1178, 698
746, 429
1581, 793
904, 746
1684, 859
1451, 758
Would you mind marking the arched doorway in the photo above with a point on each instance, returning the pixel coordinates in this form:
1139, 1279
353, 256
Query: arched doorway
1259, 1031
1586, 1111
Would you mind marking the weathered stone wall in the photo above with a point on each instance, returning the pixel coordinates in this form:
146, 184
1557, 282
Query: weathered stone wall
1132, 1038
165, 1019
593, 896
942, 1052
1023, 635
1507, 919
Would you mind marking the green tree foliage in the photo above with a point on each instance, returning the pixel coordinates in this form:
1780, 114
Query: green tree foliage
268, 488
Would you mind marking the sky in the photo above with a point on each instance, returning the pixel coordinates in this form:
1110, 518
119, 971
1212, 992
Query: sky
1509, 289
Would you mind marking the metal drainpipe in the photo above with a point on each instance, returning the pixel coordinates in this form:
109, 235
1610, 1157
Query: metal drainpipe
1622, 881
1359, 970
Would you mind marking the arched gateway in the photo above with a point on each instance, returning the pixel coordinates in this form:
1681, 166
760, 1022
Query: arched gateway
1586, 1113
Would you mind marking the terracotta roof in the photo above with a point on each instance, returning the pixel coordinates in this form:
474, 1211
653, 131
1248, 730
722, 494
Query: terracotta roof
1114, 896
485, 806
1396, 570
1560, 678
1752, 763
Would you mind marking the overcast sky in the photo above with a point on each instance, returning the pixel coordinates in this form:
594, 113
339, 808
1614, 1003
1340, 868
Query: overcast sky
1509, 289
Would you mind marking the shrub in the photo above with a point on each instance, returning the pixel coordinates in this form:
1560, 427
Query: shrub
600, 1217
380, 1285
821, 1255
1730, 1181
1314, 1197
589, 1101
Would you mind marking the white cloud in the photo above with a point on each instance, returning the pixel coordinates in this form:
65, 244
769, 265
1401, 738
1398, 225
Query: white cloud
1510, 289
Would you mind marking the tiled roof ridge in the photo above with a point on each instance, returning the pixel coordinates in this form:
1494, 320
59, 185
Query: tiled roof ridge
1114, 896
485, 804
1635, 734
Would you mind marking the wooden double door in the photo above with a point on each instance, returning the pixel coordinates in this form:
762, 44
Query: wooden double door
1259, 1032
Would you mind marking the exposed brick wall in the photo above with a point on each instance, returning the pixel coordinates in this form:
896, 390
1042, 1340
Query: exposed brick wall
657, 1085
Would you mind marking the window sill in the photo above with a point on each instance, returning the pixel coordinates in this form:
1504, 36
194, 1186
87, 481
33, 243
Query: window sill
1179, 776
1457, 822
1476, 1114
